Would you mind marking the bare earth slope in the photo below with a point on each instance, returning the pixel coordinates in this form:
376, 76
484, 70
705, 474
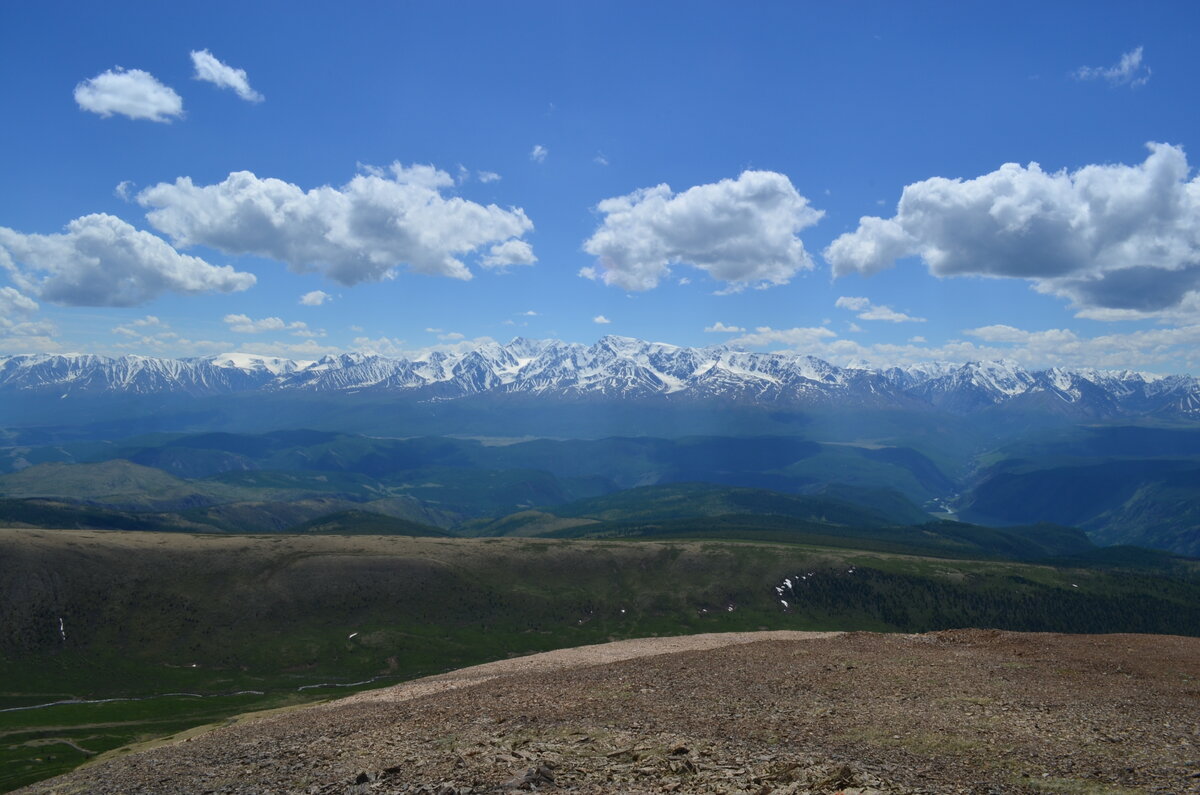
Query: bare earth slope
972, 711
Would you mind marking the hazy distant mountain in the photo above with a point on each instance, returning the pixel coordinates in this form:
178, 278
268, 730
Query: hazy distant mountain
620, 367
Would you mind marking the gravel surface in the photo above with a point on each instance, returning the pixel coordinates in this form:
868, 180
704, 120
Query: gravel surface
963, 711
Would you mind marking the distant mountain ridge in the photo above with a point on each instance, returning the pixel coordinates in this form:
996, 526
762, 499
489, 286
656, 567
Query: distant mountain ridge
620, 367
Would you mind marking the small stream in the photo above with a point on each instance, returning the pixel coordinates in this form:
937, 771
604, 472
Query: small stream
74, 701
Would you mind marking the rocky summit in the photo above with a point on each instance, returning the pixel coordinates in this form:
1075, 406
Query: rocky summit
962, 711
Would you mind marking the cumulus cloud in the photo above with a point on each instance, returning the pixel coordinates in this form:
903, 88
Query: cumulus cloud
538, 153
1064, 347
601, 319
802, 338
129, 92
386, 346
13, 304
1161, 350
244, 324
150, 333
211, 70
102, 261
300, 351
510, 252
123, 189
383, 346
15, 312
868, 311
1107, 237
360, 232
740, 231
529, 313
721, 328
1129, 71
315, 298
488, 176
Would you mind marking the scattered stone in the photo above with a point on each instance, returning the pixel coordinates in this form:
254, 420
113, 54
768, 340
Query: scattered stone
945, 713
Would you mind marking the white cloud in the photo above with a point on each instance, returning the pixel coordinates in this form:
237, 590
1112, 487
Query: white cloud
14, 304
601, 319
142, 326
854, 328
790, 337
150, 333
721, 328
1161, 350
1129, 71
315, 298
384, 346
740, 231
510, 252
210, 70
538, 153
17, 331
488, 176
102, 261
359, 232
1107, 237
452, 336
29, 343
244, 324
309, 349
868, 311
600, 159
122, 191
129, 92
529, 313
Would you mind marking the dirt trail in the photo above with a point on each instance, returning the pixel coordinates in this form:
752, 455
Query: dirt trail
576, 657
962, 711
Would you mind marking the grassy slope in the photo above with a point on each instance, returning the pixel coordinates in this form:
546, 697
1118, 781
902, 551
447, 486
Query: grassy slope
148, 613
1123, 501
672, 501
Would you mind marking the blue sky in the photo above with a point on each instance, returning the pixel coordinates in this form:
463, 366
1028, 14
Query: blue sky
178, 178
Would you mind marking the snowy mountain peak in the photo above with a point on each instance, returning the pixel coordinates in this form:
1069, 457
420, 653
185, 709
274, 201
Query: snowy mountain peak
618, 367
254, 362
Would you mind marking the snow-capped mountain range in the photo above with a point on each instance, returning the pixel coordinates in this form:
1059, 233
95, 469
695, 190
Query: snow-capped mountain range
616, 367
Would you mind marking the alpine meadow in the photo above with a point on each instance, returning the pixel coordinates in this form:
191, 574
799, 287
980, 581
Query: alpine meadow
464, 398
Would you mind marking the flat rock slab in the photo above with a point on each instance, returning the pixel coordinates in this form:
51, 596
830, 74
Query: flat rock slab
962, 711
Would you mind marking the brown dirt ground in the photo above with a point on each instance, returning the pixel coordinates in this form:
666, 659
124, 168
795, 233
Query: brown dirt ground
963, 711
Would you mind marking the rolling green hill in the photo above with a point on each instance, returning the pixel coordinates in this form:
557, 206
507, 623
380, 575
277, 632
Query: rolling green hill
198, 627
116, 482
689, 500
359, 522
1153, 503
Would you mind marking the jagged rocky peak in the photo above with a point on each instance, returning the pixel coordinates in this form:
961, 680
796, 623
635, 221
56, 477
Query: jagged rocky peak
618, 367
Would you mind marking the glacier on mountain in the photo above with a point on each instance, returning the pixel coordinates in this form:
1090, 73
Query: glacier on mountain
617, 367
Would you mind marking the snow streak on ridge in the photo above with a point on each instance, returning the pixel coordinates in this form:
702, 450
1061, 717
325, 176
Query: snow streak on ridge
618, 367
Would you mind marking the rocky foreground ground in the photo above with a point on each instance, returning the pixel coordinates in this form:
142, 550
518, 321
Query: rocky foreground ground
964, 711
